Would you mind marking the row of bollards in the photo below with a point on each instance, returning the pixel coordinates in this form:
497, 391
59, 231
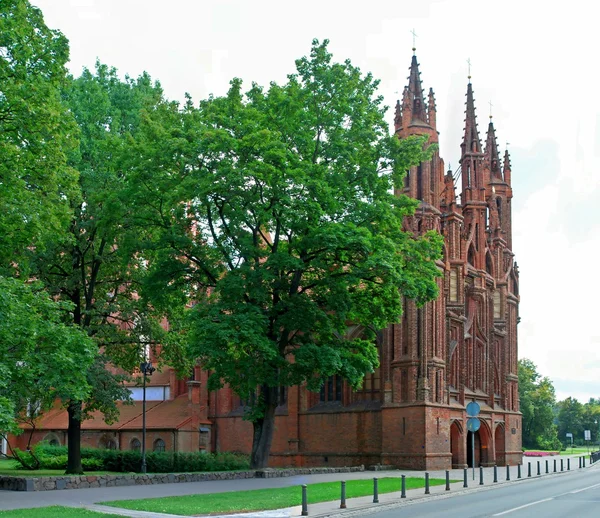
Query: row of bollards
465, 478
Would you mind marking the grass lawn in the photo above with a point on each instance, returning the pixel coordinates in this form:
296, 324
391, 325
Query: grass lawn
55, 512
578, 451
264, 499
8, 468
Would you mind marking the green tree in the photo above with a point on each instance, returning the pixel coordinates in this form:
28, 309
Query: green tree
92, 267
275, 212
35, 133
570, 419
537, 400
41, 358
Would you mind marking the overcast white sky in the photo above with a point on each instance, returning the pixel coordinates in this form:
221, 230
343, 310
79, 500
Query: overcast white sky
536, 61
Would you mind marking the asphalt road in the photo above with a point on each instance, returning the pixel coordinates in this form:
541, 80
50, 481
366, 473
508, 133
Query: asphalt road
575, 495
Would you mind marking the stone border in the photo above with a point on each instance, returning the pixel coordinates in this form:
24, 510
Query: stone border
87, 481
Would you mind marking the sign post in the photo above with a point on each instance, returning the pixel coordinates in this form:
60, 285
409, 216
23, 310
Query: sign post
473, 424
587, 435
570, 436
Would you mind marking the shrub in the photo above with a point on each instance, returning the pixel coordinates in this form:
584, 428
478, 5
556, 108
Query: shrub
95, 459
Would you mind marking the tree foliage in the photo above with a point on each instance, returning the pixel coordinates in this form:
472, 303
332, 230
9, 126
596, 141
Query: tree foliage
274, 211
537, 401
41, 358
36, 132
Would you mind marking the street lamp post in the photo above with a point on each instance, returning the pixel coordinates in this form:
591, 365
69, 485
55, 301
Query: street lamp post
146, 370
598, 438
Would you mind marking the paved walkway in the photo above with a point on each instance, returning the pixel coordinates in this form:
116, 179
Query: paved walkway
89, 498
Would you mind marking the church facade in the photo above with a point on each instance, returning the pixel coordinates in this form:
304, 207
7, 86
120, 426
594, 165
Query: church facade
411, 412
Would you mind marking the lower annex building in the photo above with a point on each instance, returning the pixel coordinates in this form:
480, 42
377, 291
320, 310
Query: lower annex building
411, 412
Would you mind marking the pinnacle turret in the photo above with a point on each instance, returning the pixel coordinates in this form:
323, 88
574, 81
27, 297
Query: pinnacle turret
506, 167
431, 109
491, 153
471, 142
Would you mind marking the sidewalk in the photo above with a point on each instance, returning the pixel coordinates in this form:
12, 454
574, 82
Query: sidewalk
88, 498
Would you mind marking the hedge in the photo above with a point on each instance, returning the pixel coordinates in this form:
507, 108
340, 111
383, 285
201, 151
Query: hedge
55, 457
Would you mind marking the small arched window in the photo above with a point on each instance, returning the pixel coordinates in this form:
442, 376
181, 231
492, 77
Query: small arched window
135, 445
471, 255
489, 265
499, 207
159, 445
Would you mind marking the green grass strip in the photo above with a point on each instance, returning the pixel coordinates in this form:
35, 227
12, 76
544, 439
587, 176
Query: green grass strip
55, 512
264, 499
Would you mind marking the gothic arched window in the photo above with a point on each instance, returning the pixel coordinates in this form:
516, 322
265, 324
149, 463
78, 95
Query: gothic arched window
159, 445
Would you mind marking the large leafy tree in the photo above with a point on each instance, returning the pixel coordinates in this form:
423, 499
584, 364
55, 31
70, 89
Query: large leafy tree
35, 133
91, 267
571, 419
274, 212
537, 402
40, 358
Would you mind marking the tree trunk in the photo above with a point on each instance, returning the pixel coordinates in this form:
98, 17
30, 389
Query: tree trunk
263, 433
74, 439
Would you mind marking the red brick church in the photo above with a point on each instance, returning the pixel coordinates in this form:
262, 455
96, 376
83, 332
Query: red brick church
411, 412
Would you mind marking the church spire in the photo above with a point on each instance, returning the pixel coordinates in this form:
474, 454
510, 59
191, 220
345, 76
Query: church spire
471, 142
415, 90
491, 153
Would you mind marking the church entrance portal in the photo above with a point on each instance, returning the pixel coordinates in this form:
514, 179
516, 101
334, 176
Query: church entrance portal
470, 449
456, 441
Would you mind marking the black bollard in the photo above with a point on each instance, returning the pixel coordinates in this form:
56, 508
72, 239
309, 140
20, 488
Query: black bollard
403, 491
495, 473
304, 501
554, 465
539, 469
579, 462
583, 458
481, 475
447, 480
465, 482
562, 465
529, 469
507, 472
518, 471
568, 464
343, 499
375, 491
426, 483
547, 467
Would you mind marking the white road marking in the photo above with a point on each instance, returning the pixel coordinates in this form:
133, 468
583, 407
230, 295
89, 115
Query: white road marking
584, 489
524, 506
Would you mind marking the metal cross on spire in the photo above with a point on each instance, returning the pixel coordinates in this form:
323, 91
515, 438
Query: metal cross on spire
491, 105
469, 63
414, 35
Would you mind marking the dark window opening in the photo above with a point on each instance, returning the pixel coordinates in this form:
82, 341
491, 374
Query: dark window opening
331, 390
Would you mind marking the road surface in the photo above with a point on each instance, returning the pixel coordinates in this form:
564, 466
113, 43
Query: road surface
573, 495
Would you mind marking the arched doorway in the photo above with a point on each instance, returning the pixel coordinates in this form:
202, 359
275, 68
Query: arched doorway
499, 443
456, 441
478, 455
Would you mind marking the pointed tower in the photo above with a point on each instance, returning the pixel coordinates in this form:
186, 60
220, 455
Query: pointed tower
416, 115
492, 158
471, 157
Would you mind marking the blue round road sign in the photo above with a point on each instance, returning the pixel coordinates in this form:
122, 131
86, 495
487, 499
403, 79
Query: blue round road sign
473, 409
473, 424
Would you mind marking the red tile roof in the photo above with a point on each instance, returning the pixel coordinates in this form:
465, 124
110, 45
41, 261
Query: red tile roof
171, 414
